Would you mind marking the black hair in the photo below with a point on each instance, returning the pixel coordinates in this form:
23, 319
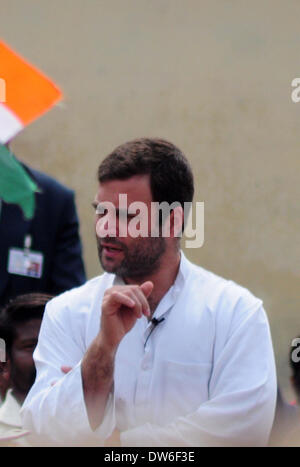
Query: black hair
20, 310
171, 177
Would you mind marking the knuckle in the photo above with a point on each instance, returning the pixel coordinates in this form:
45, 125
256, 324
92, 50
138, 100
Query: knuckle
109, 291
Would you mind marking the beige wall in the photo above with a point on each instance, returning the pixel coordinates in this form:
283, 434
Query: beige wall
212, 76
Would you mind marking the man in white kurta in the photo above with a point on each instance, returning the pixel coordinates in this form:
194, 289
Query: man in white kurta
205, 377
201, 373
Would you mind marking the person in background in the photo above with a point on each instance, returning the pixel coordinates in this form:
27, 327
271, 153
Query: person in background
43, 254
294, 361
20, 322
286, 427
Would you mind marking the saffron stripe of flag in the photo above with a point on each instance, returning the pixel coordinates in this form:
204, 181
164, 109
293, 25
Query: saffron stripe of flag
28, 93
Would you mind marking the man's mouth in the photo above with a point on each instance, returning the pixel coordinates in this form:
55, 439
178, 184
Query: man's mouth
110, 246
111, 250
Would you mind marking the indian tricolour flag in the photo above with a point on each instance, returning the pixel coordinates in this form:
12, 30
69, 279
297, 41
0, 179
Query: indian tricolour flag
25, 93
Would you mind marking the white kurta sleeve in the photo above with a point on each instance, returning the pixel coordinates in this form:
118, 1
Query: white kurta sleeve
242, 395
54, 410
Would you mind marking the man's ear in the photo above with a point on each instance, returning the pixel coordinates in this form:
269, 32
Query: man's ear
5, 370
4, 378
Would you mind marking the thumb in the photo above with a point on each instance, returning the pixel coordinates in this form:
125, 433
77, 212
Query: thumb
147, 288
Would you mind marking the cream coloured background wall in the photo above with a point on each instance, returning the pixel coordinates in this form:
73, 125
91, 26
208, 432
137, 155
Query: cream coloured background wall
212, 76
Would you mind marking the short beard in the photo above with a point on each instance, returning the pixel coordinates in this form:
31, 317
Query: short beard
142, 260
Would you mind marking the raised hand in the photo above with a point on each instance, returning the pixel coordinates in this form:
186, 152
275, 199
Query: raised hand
121, 307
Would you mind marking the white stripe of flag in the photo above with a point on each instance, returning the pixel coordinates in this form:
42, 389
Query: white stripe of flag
10, 125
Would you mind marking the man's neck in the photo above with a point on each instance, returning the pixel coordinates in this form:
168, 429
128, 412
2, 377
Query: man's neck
162, 279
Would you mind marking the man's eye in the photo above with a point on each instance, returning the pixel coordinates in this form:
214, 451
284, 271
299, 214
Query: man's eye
29, 347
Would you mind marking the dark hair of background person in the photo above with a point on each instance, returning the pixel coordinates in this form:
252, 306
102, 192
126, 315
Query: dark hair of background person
171, 177
19, 310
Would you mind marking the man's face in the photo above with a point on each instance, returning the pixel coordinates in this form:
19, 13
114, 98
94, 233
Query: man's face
22, 368
127, 256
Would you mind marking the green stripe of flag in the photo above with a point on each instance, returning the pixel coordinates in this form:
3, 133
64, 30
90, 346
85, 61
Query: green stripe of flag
16, 186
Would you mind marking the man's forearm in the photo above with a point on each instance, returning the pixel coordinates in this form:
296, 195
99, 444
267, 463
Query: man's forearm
121, 307
97, 375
